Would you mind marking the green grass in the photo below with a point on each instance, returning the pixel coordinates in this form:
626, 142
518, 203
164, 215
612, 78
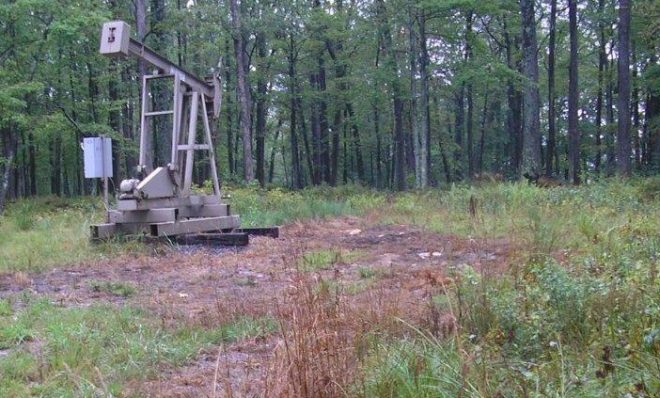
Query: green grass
367, 273
42, 233
115, 288
326, 259
421, 368
39, 234
586, 327
544, 220
331, 287
94, 351
277, 206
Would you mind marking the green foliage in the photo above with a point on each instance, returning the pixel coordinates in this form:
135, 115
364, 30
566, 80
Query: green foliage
415, 369
96, 350
277, 206
24, 216
367, 273
115, 288
50, 231
543, 219
325, 259
5, 307
583, 283
576, 322
245, 328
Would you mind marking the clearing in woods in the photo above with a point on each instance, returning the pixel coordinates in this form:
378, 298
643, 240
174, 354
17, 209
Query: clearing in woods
379, 271
501, 290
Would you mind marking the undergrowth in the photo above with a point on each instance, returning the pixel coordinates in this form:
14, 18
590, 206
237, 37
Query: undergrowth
66, 352
39, 234
575, 315
278, 206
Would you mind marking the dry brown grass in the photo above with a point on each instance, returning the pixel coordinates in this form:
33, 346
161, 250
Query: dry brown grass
325, 333
317, 354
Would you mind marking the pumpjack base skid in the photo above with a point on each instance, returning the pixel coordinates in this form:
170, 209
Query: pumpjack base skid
165, 217
237, 237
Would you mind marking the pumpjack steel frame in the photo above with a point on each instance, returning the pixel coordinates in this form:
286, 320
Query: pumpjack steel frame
162, 203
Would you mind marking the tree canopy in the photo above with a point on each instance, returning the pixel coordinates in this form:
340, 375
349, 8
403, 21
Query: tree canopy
392, 94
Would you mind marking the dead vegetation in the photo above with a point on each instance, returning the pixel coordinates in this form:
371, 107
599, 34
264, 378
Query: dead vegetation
327, 317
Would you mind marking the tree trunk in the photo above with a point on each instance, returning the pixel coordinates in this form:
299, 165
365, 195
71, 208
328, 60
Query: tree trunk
56, 165
379, 161
9, 138
482, 138
162, 127
551, 90
271, 165
335, 47
357, 142
303, 133
652, 125
609, 99
623, 104
243, 91
602, 62
181, 41
634, 108
141, 30
346, 157
323, 122
470, 98
296, 171
32, 161
334, 156
229, 112
129, 124
425, 132
399, 140
652, 113
262, 108
376, 117
573, 132
514, 100
458, 132
441, 146
531, 160
114, 119
315, 122
414, 94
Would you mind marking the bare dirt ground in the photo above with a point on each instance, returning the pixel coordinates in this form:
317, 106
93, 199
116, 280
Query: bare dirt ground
391, 270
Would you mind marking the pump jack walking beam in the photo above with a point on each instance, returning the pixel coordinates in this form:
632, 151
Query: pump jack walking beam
116, 42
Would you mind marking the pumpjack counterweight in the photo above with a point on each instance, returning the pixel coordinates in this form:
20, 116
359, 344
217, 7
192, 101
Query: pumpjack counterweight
162, 203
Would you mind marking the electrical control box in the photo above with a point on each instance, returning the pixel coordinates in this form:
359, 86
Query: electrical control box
115, 37
98, 157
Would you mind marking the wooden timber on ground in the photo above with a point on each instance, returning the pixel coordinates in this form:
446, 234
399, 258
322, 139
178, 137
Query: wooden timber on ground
237, 237
167, 217
214, 239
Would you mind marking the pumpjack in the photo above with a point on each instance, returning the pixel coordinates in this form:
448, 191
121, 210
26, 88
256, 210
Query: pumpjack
162, 202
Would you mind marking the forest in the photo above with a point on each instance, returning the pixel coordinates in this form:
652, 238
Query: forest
466, 196
396, 95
